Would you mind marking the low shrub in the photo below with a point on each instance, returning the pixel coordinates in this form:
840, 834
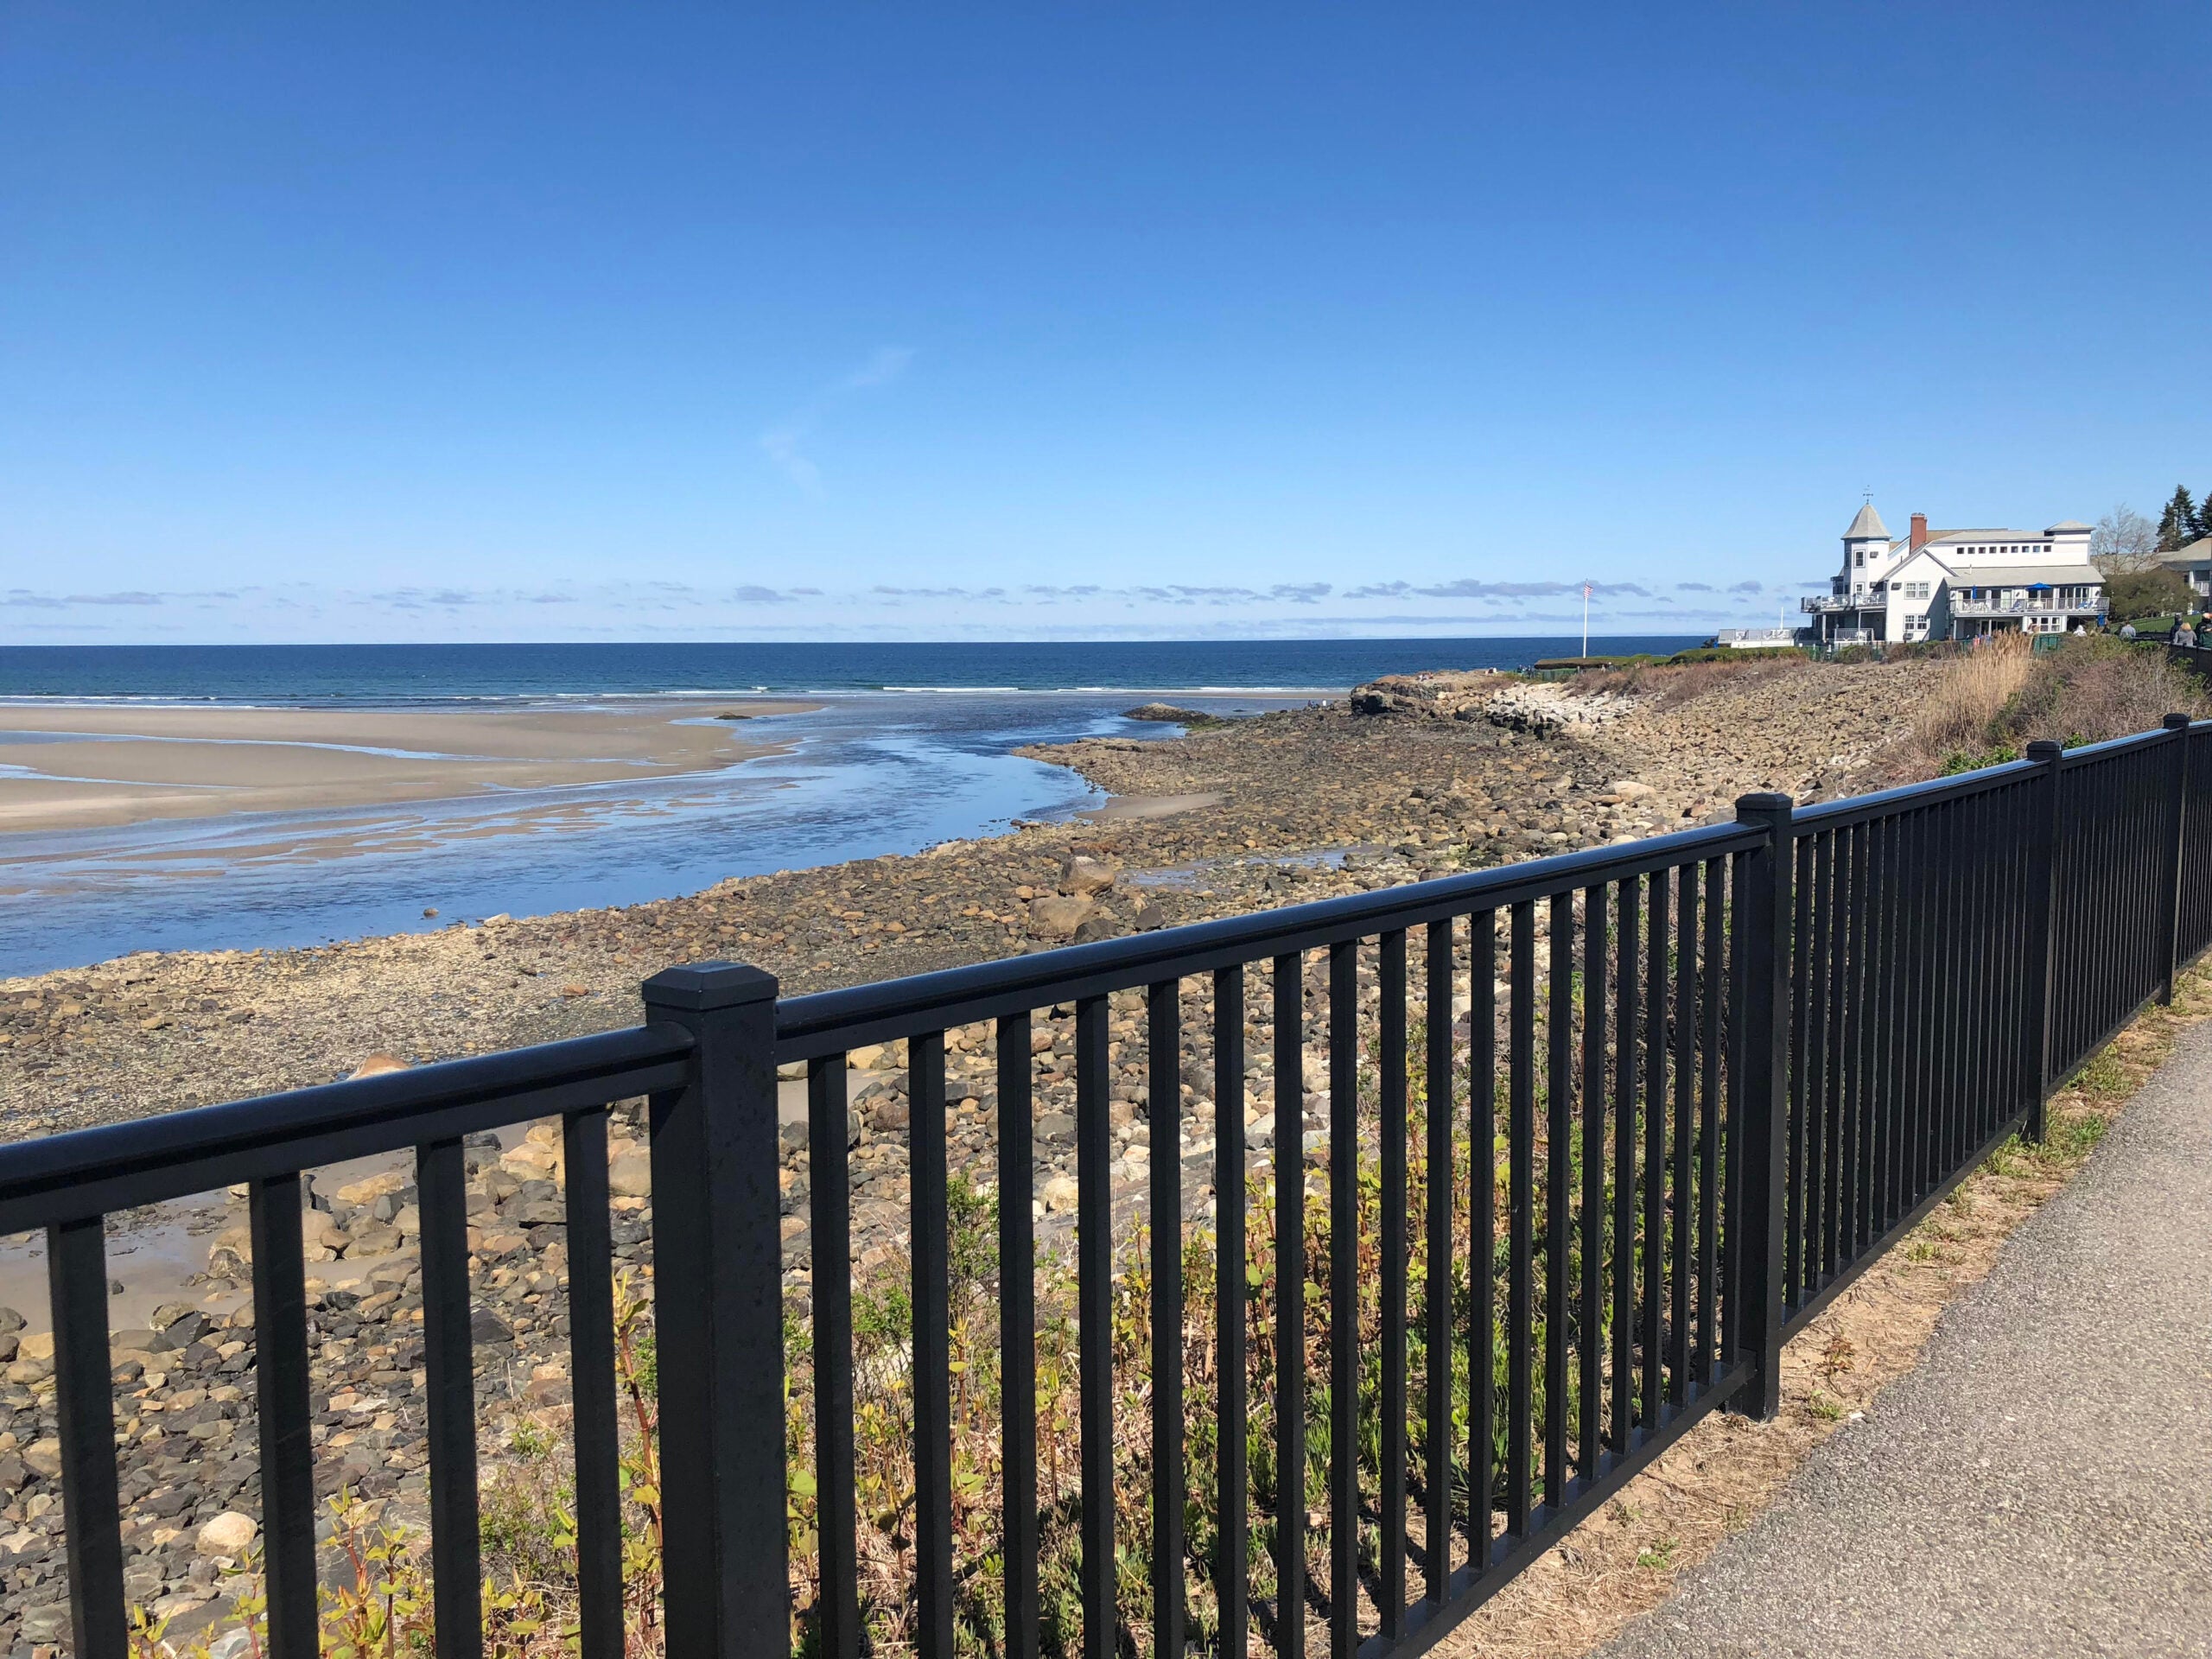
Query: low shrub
1995, 699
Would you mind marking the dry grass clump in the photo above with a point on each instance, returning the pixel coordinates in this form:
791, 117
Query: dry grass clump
1964, 706
1670, 684
1994, 700
2101, 687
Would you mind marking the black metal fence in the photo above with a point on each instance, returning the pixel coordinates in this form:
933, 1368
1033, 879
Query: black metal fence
1623, 1119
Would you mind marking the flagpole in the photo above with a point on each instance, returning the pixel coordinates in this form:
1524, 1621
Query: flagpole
1585, 618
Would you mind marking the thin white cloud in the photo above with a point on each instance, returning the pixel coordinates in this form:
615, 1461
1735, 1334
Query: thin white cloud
783, 442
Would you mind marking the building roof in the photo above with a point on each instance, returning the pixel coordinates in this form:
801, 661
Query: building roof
2027, 575
2197, 552
1988, 535
1868, 523
2067, 525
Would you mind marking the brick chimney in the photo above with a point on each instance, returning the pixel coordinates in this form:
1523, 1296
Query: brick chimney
1919, 532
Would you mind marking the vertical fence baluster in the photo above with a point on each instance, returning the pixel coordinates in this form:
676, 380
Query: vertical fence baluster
592, 1406
830, 1199
1903, 959
1881, 991
84, 1407
1558, 1225
931, 1261
1909, 1066
1482, 1229
1589, 1334
1843, 1046
1628, 900
284, 1413
1835, 1044
1993, 1093
2176, 839
2081, 969
1391, 969
1959, 855
1733, 1328
1343, 1299
1436, 1085
1708, 1158
2042, 930
1017, 1331
1520, 1105
1820, 1070
1289, 1005
1851, 956
439, 1179
1657, 943
1681, 1213
1864, 988
1804, 1069
1989, 966
1929, 992
1095, 1333
1764, 904
1164, 1105
2034, 921
1230, 1589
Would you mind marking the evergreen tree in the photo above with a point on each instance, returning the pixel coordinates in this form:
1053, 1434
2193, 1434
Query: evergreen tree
2178, 524
2204, 514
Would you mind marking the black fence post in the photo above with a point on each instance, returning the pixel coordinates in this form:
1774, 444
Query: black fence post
1764, 1009
718, 1320
2043, 925
2170, 888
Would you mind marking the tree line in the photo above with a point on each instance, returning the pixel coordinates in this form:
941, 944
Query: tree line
2184, 521
2127, 547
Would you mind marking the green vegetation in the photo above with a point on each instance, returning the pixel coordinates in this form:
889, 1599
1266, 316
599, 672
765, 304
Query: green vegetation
2162, 592
2184, 521
528, 1507
1993, 703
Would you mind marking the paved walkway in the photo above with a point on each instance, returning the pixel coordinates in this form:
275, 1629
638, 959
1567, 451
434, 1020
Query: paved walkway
2042, 1482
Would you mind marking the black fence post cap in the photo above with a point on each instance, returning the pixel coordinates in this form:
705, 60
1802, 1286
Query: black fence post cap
1763, 801
2176, 722
2044, 748
703, 986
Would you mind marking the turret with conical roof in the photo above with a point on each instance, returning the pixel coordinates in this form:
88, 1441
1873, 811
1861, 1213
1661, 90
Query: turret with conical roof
1866, 527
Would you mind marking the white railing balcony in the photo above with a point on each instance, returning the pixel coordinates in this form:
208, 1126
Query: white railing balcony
1817, 603
2027, 608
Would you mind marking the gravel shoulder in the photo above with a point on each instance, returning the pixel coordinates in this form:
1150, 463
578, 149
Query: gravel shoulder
2037, 1485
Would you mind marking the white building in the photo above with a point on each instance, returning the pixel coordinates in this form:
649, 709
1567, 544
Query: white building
2195, 563
1956, 584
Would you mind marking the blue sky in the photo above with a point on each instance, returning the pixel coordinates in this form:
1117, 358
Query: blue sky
411, 322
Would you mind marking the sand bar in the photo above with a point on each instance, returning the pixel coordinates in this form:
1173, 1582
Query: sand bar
67, 766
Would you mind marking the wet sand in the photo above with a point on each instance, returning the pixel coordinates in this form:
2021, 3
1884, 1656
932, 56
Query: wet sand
87, 766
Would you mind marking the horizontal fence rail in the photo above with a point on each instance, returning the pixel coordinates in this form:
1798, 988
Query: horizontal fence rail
1455, 1205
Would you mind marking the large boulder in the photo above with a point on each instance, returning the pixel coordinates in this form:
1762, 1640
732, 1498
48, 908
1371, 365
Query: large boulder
1056, 916
1080, 875
226, 1537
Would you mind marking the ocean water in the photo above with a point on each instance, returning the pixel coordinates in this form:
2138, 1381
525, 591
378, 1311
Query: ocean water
877, 767
398, 675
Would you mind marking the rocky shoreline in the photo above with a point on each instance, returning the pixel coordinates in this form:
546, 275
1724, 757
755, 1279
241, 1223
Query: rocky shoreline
1407, 778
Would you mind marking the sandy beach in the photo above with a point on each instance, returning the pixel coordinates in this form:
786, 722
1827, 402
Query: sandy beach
86, 766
